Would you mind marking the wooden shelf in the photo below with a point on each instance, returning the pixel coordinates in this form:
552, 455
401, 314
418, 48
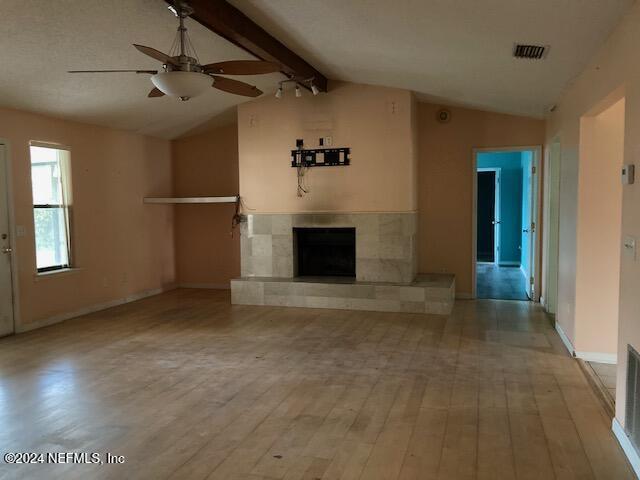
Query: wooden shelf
170, 200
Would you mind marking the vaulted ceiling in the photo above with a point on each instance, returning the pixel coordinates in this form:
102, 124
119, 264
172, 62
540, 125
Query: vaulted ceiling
450, 51
40, 40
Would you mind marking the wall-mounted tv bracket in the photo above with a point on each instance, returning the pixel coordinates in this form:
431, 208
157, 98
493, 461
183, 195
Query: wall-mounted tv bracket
320, 157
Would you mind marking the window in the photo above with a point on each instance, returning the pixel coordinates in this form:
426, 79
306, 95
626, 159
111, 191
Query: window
50, 187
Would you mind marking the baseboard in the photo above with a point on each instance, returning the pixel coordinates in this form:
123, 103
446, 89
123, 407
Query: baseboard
90, 309
213, 286
509, 264
463, 296
627, 447
565, 340
597, 357
599, 389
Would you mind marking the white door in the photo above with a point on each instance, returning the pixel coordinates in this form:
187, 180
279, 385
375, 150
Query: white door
529, 215
497, 222
6, 289
533, 229
552, 226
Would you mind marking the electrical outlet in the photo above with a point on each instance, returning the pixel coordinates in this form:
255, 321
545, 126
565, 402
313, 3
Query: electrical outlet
21, 231
328, 141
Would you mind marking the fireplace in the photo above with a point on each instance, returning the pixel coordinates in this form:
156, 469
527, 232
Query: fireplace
329, 252
385, 246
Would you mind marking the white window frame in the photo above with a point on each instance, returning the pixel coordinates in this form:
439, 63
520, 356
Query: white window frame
65, 166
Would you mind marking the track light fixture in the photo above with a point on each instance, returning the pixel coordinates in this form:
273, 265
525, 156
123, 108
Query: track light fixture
307, 82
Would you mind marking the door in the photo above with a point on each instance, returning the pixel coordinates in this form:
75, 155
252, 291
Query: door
486, 216
529, 197
553, 238
6, 289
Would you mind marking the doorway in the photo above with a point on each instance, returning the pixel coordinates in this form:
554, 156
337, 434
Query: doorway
488, 215
600, 245
6, 284
505, 213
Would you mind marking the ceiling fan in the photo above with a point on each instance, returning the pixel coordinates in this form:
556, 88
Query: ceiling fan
183, 76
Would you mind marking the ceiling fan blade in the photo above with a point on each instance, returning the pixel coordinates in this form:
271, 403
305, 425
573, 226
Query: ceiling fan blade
242, 67
155, 93
152, 72
153, 53
235, 86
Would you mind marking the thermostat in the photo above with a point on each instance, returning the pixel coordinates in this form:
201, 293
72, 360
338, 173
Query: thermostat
628, 172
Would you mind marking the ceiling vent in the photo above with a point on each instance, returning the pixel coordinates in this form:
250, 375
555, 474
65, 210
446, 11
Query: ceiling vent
532, 52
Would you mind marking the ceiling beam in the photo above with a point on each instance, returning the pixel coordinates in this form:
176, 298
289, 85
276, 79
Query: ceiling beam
222, 18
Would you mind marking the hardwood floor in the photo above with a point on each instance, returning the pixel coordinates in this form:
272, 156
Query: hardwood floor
186, 386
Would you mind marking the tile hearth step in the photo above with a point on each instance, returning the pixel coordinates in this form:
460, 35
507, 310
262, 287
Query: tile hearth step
431, 293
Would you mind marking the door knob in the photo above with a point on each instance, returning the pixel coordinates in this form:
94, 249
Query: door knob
7, 250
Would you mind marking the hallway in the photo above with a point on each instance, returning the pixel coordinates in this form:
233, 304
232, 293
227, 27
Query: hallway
500, 283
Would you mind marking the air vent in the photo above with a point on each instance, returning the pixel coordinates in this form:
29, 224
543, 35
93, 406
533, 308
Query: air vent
632, 407
533, 52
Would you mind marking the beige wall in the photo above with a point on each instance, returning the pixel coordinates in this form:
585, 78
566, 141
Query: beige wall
376, 122
121, 246
615, 65
598, 231
206, 165
445, 172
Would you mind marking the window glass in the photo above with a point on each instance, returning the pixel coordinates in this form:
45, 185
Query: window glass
50, 207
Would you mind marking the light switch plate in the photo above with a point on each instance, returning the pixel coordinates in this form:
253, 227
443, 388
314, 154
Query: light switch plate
628, 174
629, 247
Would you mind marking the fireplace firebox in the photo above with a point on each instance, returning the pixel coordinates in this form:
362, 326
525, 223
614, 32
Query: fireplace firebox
327, 252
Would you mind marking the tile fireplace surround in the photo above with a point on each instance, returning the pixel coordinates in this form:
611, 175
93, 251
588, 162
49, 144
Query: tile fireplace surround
385, 265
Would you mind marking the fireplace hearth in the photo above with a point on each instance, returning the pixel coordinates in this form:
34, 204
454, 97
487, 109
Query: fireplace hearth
353, 261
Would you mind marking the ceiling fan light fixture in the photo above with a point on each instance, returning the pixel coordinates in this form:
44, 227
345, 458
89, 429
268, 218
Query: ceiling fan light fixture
279, 92
182, 84
298, 91
314, 89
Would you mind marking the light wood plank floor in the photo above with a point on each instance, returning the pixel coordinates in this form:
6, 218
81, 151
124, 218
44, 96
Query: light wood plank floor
186, 386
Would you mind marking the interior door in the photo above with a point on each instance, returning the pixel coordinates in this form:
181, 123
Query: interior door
529, 196
486, 218
553, 237
533, 225
6, 289
496, 217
